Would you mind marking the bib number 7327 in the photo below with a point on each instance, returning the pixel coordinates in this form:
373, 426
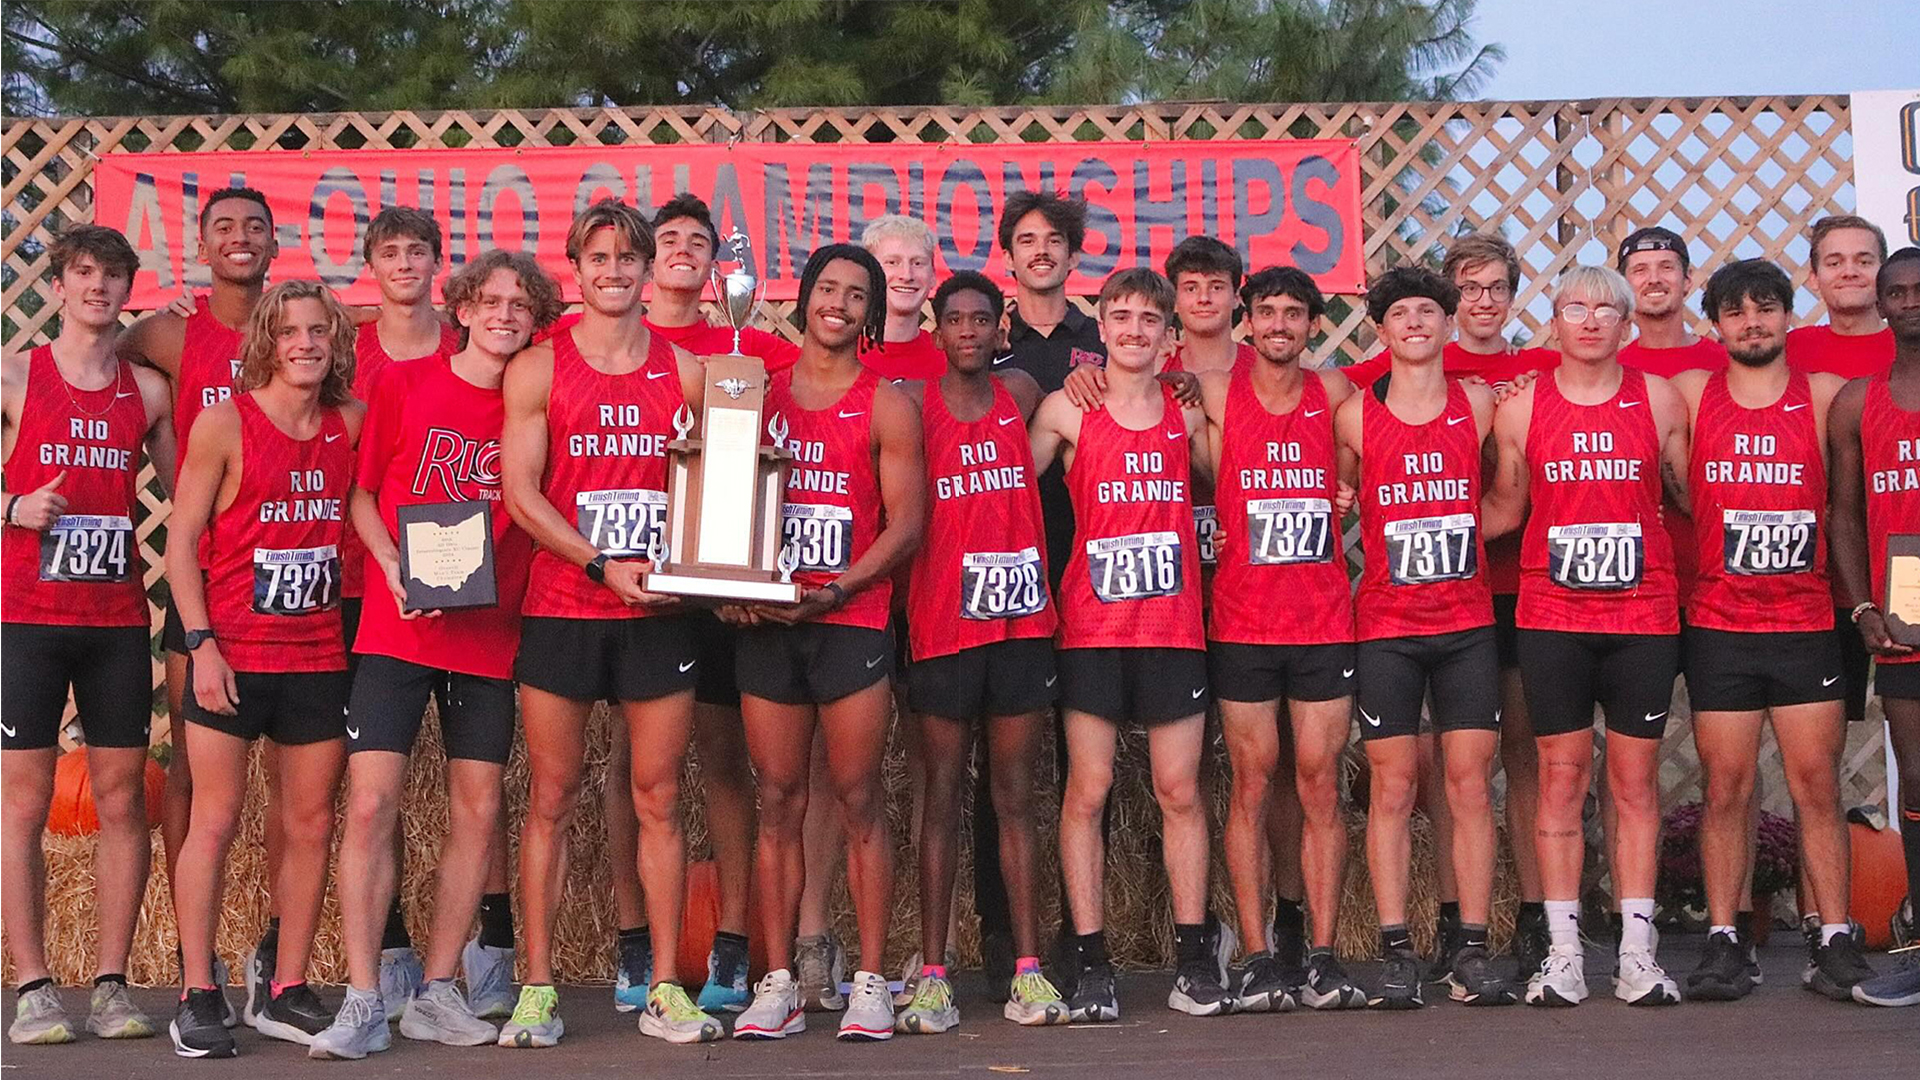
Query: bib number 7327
86, 547
1135, 567
621, 522
1283, 531
1421, 551
1597, 555
1001, 584
295, 581
1769, 541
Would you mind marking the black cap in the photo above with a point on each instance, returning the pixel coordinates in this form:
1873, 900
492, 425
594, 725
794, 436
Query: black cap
1653, 238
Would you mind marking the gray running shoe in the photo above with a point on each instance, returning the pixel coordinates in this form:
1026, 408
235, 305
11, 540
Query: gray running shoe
113, 1015
440, 1013
1896, 988
672, 1016
401, 974
931, 1010
296, 1015
222, 975
197, 1028
489, 972
38, 1019
358, 1029
819, 966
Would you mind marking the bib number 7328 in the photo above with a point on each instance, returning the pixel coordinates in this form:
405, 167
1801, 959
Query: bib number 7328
295, 581
86, 547
1001, 584
1421, 551
1135, 567
1769, 541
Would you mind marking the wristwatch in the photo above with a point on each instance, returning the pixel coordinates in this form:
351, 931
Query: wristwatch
197, 638
1862, 608
597, 568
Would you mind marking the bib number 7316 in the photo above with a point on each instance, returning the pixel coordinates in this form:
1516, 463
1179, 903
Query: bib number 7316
1135, 567
295, 581
86, 547
1421, 551
1769, 541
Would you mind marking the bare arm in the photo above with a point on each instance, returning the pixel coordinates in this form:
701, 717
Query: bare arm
156, 342
1054, 431
693, 379
1213, 402
1676, 440
212, 470
156, 393
1847, 521
1504, 507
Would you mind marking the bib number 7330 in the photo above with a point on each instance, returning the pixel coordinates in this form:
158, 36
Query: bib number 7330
1421, 551
86, 547
1135, 567
295, 581
1769, 541
821, 534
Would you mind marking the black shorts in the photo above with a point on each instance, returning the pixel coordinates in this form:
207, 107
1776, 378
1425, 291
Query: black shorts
1242, 672
714, 646
607, 659
811, 663
1005, 678
1461, 670
350, 607
293, 708
173, 636
110, 669
1630, 676
1730, 671
389, 701
1506, 632
1134, 687
1856, 663
1897, 681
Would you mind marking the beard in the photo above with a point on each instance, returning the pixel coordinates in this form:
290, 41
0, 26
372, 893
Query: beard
1757, 353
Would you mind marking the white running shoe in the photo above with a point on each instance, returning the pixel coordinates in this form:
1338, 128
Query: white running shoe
1562, 978
869, 1012
1639, 980
401, 974
775, 1011
671, 1015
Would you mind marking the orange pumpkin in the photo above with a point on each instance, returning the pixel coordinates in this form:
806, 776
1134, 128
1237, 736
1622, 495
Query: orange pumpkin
1879, 881
72, 812
700, 920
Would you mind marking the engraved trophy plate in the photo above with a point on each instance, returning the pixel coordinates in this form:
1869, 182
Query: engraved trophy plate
725, 489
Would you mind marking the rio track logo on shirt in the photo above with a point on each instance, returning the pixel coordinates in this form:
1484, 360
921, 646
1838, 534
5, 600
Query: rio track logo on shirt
458, 464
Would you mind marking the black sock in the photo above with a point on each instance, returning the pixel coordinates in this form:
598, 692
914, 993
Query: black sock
1287, 915
730, 937
1533, 911
1189, 942
395, 936
1473, 936
1743, 925
30, 987
1093, 948
496, 921
1395, 938
110, 977
636, 945
1910, 841
1450, 913
270, 941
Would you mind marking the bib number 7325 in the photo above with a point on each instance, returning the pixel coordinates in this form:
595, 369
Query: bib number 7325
86, 547
295, 581
1421, 551
1769, 541
1135, 567
621, 522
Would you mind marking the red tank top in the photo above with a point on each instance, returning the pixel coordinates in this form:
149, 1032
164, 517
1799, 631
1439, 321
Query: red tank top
981, 574
209, 362
1133, 580
1420, 523
85, 569
273, 555
1759, 491
370, 360
1276, 487
606, 472
1595, 554
1206, 514
833, 509
1890, 451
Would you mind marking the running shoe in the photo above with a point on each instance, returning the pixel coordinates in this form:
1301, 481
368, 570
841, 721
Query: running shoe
1471, 979
775, 1011
1290, 954
726, 986
633, 974
931, 1011
1638, 979
1896, 988
401, 974
1754, 974
441, 1013
1839, 966
1530, 944
358, 1029
820, 965
1722, 972
997, 964
1446, 939
536, 1022
1399, 982
489, 973
39, 1019
1198, 989
222, 975
1810, 934
909, 979
672, 1016
1223, 943
1032, 1001
1262, 986
869, 1014
199, 1027
1095, 1001
1327, 985
113, 1015
260, 965
1562, 978
295, 1015
1902, 925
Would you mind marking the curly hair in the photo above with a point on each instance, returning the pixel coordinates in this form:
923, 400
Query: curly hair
875, 325
543, 293
259, 358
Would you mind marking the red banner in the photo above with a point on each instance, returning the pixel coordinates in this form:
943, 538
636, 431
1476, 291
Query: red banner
1294, 202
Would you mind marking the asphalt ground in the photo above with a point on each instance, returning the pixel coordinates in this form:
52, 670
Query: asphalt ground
1779, 1031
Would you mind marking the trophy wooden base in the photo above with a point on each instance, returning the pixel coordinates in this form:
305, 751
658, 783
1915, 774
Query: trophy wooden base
711, 586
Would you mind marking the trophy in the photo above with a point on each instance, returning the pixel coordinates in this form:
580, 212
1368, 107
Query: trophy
723, 535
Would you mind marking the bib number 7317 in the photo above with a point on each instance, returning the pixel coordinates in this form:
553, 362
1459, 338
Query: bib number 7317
1769, 541
86, 547
295, 581
1135, 567
1421, 551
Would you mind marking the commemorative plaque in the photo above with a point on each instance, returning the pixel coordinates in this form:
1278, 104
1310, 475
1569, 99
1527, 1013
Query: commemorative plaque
723, 539
1902, 602
446, 555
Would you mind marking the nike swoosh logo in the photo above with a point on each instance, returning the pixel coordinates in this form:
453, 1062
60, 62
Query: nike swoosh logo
1172, 435
1652, 716
1051, 679
1452, 420
1628, 404
658, 374
1313, 413
875, 662
1830, 682
1374, 720
1496, 716
11, 734
1790, 408
1008, 420
128, 394
333, 438
1346, 673
353, 732
688, 666
850, 415
998, 360
1197, 693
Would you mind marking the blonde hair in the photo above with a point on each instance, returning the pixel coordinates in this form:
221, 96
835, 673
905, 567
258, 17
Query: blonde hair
1600, 283
259, 358
897, 225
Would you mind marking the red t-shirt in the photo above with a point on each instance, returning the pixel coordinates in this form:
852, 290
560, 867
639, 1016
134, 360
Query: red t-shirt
434, 437
1705, 354
833, 509
1458, 363
1890, 451
1815, 349
707, 339
370, 361
917, 358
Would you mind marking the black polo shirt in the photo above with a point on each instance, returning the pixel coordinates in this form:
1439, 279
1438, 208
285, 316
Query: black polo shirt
1048, 358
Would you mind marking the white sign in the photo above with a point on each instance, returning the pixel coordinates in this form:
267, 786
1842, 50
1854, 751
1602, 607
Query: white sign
1886, 162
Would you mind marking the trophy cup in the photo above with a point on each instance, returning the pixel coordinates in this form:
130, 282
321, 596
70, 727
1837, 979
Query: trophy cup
723, 537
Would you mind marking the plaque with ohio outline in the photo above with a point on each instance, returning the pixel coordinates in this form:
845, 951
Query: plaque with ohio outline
446, 555
1901, 604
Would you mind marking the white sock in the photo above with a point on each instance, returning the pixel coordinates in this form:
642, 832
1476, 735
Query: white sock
1731, 932
1636, 924
1563, 922
1831, 930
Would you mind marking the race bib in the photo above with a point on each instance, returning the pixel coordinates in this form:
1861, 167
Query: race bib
295, 581
820, 533
1421, 551
621, 522
86, 547
1769, 541
1206, 523
1001, 584
1135, 567
1282, 531
1596, 556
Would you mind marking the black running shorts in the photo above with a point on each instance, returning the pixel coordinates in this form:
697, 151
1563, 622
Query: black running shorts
390, 699
1005, 678
1897, 681
811, 663
1130, 687
1630, 676
1506, 632
714, 644
110, 669
173, 636
349, 630
1461, 670
293, 708
1856, 663
1242, 672
608, 659
1729, 671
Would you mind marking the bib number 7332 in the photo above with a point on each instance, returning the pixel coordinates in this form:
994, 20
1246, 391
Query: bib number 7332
86, 547
295, 581
1135, 567
1421, 551
1769, 541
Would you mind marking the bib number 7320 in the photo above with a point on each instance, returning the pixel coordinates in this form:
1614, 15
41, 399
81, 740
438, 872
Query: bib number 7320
1597, 556
1135, 567
1769, 541
1421, 551
295, 581
86, 547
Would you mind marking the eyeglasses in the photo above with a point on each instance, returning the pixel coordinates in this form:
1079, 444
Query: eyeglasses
1499, 292
1604, 314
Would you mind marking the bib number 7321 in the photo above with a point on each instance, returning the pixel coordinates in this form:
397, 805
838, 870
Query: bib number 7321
621, 522
1135, 567
86, 547
1597, 556
1421, 551
1001, 584
295, 581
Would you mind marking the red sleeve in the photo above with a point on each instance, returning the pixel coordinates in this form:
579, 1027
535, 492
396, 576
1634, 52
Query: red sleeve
773, 350
380, 434
1365, 372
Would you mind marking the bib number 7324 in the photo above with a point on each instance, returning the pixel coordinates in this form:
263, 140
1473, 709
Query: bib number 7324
86, 547
1135, 567
1421, 551
295, 581
1769, 541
